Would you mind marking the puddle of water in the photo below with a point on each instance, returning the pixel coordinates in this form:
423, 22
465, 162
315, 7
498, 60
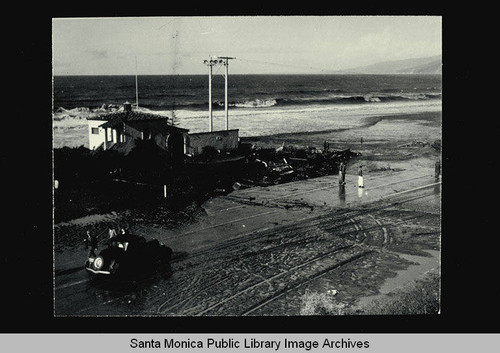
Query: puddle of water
423, 265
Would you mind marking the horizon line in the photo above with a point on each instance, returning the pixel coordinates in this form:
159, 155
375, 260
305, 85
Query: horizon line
248, 74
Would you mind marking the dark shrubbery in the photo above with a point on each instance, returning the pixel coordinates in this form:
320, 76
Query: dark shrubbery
104, 181
147, 162
76, 166
86, 183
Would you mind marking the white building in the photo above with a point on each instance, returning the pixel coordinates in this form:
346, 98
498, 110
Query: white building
119, 131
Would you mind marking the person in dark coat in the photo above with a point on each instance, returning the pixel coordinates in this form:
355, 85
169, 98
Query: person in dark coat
91, 242
342, 170
437, 169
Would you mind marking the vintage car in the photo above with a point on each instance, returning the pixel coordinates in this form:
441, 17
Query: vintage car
130, 256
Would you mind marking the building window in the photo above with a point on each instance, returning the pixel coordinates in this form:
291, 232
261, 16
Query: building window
95, 131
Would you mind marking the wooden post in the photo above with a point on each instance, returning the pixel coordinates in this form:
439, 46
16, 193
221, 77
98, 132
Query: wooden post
136, 87
225, 96
105, 138
210, 123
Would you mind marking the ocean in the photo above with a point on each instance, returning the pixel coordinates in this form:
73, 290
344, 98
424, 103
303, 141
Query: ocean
258, 104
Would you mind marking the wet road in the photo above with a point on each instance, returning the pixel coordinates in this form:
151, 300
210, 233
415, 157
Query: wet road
260, 250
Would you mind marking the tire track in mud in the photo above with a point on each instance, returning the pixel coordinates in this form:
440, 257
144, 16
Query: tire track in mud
261, 252
207, 296
262, 248
323, 222
269, 280
298, 284
384, 229
319, 221
335, 216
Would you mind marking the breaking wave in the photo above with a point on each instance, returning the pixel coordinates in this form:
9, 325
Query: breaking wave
256, 103
325, 99
359, 99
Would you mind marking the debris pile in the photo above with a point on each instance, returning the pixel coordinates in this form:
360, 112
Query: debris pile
287, 163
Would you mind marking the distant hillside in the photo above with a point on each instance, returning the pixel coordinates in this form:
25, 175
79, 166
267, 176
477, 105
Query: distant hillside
429, 65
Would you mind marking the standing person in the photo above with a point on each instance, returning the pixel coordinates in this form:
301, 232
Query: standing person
437, 169
361, 140
91, 242
342, 169
125, 229
112, 233
326, 146
360, 177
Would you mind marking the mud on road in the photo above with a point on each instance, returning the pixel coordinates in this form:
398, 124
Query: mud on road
346, 252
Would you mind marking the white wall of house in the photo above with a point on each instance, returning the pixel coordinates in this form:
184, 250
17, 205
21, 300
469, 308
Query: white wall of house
96, 133
225, 140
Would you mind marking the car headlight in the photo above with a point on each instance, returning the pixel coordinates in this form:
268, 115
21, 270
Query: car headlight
98, 262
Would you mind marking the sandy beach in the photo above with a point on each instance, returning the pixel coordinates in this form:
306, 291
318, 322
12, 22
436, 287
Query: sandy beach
397, 141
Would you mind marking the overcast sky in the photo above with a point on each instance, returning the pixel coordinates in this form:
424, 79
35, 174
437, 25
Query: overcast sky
261, 44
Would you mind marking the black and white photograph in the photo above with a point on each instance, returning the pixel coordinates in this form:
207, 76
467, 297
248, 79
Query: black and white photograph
232, 166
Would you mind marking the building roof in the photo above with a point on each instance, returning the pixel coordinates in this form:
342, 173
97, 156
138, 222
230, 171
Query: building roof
116, 118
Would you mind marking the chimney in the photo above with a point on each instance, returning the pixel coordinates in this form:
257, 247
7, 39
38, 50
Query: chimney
127, 106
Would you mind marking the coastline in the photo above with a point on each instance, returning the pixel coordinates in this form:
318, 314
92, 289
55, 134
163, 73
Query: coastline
273, 140
388, 142
74, 134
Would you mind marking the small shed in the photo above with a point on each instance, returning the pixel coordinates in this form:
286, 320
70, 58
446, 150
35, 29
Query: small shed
224, 140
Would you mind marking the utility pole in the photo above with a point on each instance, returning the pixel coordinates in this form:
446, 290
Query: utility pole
221, 60
210, 62
136, 87
226, 102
